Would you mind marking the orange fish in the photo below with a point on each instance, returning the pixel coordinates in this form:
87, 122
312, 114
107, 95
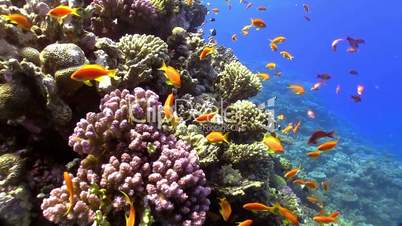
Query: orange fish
245, 223
225, 208
262, 8
311, 184
360, 90
168, 106
335, 214
316, 86
217, 137
273, 47
325, 185
234, 37
206, 51
278, 40
291, 173
61, 11
205, 117
245, 30
287, 55
263, 76
327, 145
255, 206
19, 19
89, 72
314, 200
70, 189
299, 182
287, 214
172, 75
297, 89
296, 127
314, 154
270, 66
288, 128
215, 10
273, 144
130, 219
258, 23
324, 219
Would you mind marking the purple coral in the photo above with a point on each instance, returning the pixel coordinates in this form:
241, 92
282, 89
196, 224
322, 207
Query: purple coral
134, 158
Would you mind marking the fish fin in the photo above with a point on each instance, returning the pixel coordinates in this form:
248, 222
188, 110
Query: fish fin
75, 13
60, 20
226, 137
87, 82
169, 82
332, 134
112, 73
163, 66
101, 78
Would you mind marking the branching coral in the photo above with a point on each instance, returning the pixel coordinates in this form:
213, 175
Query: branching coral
143, 54
134, 158
236, 82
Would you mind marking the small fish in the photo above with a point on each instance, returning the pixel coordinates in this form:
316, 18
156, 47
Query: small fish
206, 52
327, 145
338, 89
356, 98
313, 154
287, 214
225, 208
212, 32
306, 8
172, 75
215, 10
311, 114
314, 200
130, 219
234, 37
280, 117
324, 219
273, 47
311, 184
255, 206
217, 137
335, 43
61, 11
299, 182
278, 40
335, 214
278, 73
249, 5
307, 18
258, 23
318, 135
89, 72
324, 76
353, 72
245, 223
287, 129
297, 89
205, 117
19, 19
245, 29
273, 143
296, 127
316, 86
262, 8
168, 106
292, 173
325, 185
354, 43
263, 76
70, 189
287, 55
270, 66
360, 90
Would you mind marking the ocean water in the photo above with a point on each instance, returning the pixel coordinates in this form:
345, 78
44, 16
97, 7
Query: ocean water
366, 168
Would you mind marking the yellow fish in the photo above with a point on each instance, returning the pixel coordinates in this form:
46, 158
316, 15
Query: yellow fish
89, 72
278, 40
217, 137
225, 208
172, 75
19, 19
61, 11
273, 47
297, 89
273, 143
263, 76
206, 51
270, 66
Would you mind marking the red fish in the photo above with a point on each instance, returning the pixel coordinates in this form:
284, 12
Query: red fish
324, 76
318, 135
356, 98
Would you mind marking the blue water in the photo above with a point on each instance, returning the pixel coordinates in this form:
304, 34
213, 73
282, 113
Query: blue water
378, 118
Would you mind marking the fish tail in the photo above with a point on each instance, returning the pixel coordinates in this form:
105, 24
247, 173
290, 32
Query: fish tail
75, 12
226, 137
163, 66
112, 73
331, 134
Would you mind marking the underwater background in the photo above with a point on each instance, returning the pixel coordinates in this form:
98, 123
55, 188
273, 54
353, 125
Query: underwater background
165, 113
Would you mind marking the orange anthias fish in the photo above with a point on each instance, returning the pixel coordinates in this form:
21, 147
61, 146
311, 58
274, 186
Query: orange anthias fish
172, 75
325, 186
273, 143
205, 117
168, 106
278, 40
70, 189
297, 127
217, 137
258, 23
288, 128
296, 89
287, 55
273, 47
255, 206
324, 219
360, 90
215, 10
206, 52
299, 182
287, 214
89, 72
313, 154
314, 199
270, 66
19, 19
130, 219
263, 76
318, 135
292, 173
61, 11
327, 145
225, 208
311, 184
245, 223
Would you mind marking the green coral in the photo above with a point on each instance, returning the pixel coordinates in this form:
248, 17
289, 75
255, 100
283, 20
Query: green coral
10, 169
143, 54
240, 153
237, 82
244, 115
